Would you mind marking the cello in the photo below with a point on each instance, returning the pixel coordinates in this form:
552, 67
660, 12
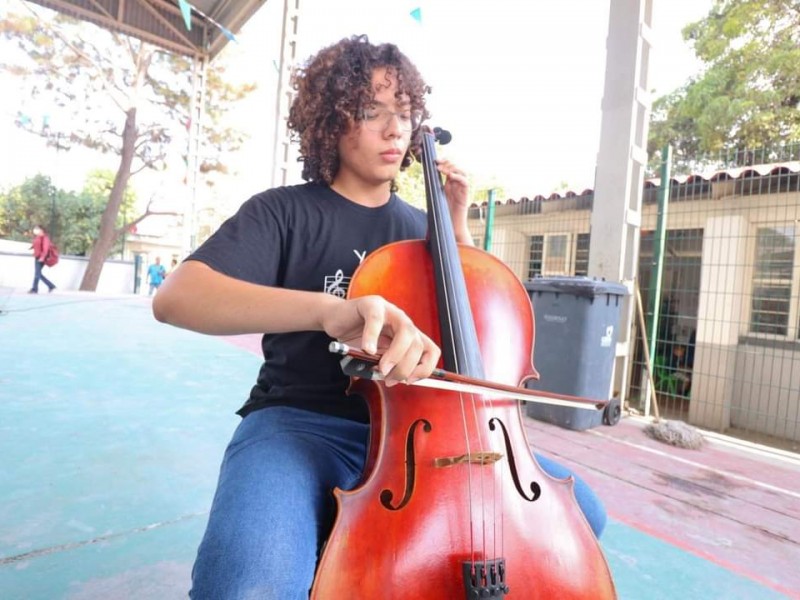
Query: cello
453, 504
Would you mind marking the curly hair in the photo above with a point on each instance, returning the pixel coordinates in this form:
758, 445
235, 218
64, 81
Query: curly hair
334, 87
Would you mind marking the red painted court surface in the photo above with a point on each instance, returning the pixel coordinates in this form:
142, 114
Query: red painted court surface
730, 503
113, 426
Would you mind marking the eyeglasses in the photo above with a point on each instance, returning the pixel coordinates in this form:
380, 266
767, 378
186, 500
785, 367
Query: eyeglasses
378, 119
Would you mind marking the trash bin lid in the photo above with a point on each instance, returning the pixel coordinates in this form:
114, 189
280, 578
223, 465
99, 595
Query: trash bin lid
585, 287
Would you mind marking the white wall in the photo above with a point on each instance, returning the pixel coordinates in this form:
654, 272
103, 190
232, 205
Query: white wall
766, 394
17, 268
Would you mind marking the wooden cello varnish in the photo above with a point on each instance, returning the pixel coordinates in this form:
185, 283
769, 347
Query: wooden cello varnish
453, 504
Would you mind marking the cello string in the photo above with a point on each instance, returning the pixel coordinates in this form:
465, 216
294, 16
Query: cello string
429, 167
453, 263
448, 266
462, 323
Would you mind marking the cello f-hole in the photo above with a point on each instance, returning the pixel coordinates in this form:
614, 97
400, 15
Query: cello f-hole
387, 494
536, 490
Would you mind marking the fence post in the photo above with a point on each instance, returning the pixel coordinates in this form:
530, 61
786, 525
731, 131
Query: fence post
657, 269
137, 270
487, 238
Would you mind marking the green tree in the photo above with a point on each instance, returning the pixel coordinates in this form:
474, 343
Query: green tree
749, 92
71, 219
411, 187
81, 213
33, 202
116, 95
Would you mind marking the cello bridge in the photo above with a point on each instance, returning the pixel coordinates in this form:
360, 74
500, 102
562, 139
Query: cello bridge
473, 458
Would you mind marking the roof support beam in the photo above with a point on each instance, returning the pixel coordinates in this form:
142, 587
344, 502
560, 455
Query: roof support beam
160, 22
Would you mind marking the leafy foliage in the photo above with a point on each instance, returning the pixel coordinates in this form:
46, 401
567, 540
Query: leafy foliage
749, 94
71, 219
28, 204
411, 187
82, 212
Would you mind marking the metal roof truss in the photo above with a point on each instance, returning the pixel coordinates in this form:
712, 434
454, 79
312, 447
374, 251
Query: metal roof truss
160, 21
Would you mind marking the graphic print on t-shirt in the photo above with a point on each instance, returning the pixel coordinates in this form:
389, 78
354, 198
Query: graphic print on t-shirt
337, 283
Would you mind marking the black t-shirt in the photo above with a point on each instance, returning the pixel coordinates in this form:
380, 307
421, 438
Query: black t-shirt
305, 237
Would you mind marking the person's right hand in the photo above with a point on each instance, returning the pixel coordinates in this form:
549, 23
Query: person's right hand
379, 327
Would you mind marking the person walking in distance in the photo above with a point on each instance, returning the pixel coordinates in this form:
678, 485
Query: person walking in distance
156, 274
41, 246
172, 265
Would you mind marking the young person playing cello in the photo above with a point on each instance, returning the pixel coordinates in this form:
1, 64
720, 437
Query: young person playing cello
281, 267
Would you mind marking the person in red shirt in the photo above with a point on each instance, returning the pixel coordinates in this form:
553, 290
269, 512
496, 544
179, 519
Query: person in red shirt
41, 244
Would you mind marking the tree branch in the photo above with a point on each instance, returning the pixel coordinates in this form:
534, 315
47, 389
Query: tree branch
147, 213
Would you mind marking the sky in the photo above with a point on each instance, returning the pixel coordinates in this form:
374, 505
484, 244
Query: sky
519, 83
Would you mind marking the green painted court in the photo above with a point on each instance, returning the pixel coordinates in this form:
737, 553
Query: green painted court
113, 426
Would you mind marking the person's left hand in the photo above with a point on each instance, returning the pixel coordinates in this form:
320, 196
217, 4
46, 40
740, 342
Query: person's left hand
456, 189
456, 186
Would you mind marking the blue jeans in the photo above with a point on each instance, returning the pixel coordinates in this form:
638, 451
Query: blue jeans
273, 508
39, 276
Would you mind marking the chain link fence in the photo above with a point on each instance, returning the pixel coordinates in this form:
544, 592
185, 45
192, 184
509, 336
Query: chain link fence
725, 291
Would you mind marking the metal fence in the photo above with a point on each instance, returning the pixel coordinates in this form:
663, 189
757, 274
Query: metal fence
722, 299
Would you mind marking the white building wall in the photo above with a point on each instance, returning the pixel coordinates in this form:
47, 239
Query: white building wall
766, 391
16, 272
739, 380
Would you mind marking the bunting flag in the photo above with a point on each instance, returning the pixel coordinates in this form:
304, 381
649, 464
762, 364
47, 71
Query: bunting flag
22, 120
416, 14
225, 32
186, 11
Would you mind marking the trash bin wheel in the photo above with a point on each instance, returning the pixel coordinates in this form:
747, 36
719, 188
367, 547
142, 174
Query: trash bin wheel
612, 412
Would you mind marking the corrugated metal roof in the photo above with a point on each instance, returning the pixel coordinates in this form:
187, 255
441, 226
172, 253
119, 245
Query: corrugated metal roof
709, 175
160, 21
732, 173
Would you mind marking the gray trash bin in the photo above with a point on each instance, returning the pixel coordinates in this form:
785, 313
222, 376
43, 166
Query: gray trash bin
577, 321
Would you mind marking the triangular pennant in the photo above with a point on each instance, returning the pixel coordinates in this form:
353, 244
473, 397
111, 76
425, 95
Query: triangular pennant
186, 11
226, 33
416, 14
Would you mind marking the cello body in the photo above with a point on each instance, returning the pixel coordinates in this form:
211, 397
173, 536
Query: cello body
453, 504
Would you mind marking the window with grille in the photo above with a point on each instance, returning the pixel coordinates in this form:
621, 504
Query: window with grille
556, 255
582, 254
535, 255
772, 280
551, 255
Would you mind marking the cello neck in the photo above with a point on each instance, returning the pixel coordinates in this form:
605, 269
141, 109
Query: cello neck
459, 339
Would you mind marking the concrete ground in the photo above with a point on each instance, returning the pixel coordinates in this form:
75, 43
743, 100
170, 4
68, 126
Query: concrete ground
113, 426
